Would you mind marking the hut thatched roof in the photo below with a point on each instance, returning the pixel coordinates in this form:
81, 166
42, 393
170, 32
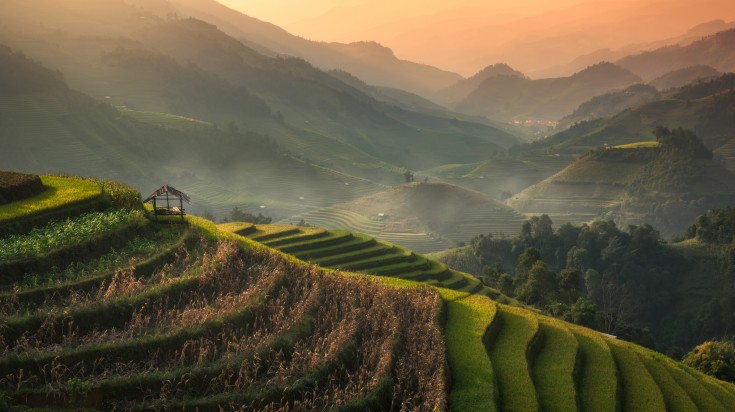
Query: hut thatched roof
166, 189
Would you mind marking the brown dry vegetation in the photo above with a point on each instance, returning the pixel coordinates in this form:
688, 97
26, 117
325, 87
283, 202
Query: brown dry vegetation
228, 327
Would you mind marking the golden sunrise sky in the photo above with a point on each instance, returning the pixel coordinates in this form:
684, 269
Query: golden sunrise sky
465, 35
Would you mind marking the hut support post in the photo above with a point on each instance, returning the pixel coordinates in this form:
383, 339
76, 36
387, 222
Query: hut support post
155, 214
181, 207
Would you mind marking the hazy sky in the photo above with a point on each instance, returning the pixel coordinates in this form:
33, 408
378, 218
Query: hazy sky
288, 12
466, 35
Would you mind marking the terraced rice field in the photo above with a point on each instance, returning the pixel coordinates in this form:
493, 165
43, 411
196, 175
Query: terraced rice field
340, 249
727, 154
335, 218
498, 220
222, 325
481, 221
165, 119
228, 323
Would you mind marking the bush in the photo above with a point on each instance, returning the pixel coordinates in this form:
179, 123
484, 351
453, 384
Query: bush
121, 195
18, 186
714, 357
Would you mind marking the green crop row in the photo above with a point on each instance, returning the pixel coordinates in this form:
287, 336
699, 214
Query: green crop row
554, 367
143, 254
639, 390
597, 380
509, 355
474, 381
72, 231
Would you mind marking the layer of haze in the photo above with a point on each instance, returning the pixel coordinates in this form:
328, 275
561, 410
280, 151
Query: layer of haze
537, 37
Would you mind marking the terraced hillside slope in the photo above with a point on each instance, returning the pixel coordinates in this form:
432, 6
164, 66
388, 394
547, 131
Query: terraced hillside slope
339, 249
219, 323
641, 182
424, 217
229, 323
509, 358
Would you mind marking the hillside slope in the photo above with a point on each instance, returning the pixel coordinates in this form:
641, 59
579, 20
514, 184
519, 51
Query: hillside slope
714, 50
513, 98
637, 183
47, 127
236, 324
706, 107
369, 61
423, 216
130, 57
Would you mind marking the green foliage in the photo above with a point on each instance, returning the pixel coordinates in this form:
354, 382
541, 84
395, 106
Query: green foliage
72, 231
627, 274
77, 389
715, 358
706, 88
716, 226
237, 215
141, 246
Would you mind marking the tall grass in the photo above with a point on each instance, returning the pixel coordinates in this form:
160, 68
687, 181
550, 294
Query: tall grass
250, 329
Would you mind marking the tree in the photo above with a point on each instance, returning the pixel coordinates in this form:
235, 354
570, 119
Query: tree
540, 289
408, 175
237, 215
715, 358
617, 306
569, 280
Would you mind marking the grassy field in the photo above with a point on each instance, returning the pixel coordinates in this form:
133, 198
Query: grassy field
60, 192
637, 145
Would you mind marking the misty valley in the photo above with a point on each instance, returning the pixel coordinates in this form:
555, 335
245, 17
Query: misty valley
529, 212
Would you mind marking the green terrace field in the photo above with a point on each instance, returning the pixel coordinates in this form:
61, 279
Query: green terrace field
355, 252
198, 317
165, 119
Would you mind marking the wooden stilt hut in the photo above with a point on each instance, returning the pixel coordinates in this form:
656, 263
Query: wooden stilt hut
168, 194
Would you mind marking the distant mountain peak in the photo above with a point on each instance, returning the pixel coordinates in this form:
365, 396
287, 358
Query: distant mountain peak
497, 69
372, 48
605, 70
